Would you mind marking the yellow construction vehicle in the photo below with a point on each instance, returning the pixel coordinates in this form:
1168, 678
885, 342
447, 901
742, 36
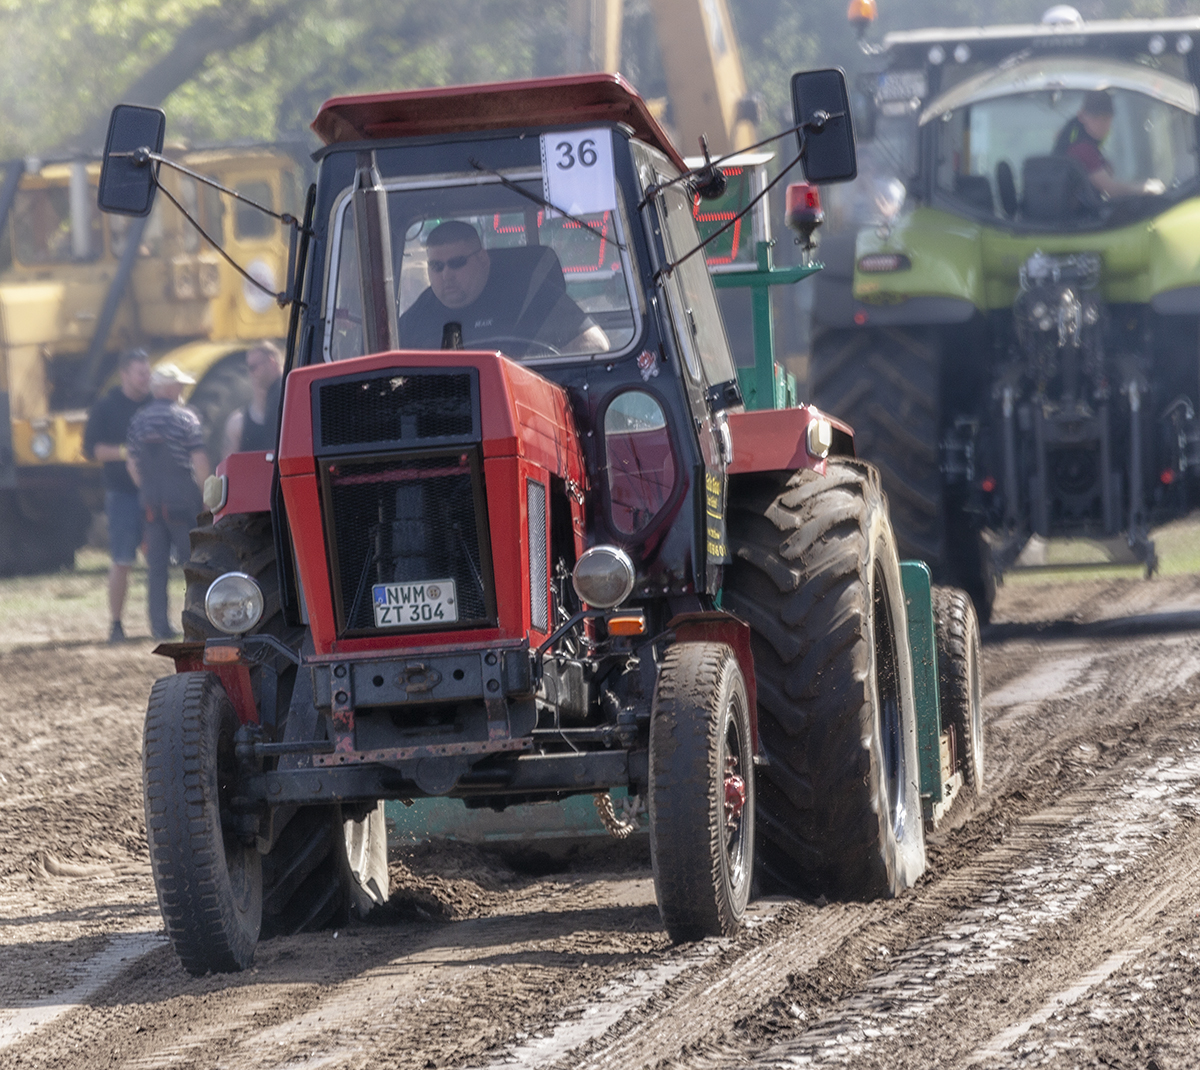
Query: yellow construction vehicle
703, 69
77, 287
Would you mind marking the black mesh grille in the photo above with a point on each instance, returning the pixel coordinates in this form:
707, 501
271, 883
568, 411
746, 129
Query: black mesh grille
408, 520
400, 407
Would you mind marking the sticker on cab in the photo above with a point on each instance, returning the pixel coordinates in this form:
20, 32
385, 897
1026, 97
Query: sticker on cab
399, 605
577, 171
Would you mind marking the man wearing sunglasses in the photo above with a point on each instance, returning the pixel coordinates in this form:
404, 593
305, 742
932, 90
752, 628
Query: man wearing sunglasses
523, 311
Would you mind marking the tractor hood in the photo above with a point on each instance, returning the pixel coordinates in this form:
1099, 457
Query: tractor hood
395, 473
941, 255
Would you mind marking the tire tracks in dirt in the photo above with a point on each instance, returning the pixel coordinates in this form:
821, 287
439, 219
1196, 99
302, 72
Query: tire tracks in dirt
584, 963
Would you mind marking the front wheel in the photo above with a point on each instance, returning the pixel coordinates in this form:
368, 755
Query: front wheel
209, 883
701, 792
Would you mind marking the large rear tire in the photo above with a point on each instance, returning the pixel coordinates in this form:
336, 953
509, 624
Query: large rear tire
209, 883
326, 866
701, 792
816, 575
960, 679
40, 530
884, 382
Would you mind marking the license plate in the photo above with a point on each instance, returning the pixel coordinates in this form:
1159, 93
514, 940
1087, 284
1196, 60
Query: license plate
400, 604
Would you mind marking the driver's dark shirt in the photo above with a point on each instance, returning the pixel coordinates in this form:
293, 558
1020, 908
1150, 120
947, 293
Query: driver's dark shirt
503, 311
1074, 141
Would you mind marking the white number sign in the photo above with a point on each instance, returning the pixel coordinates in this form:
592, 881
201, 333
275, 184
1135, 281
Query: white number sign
577, 171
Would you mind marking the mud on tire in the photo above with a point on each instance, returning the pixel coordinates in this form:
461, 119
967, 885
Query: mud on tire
816, 575
960, 678
701, 797
209, 883
325, 864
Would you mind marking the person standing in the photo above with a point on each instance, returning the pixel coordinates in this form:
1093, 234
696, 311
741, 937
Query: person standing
254, 427
168, 463
104, 441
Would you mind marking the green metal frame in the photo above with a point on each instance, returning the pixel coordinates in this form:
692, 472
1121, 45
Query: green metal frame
766, 385
567, 820
918, 598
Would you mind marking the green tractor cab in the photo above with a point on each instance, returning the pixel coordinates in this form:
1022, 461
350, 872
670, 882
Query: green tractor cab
1013, 318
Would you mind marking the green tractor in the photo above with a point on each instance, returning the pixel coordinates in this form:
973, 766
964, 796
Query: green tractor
1011, 315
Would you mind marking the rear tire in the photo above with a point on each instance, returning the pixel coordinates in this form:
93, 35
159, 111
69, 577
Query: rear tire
326, 866
884, 382
701, 796
209, 883
960, 679
816, 575
40, 530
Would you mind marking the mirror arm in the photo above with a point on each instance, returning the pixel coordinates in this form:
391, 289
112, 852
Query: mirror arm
729, 223
143, 156
281, 298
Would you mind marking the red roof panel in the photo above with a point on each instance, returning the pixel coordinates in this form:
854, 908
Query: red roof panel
576, 98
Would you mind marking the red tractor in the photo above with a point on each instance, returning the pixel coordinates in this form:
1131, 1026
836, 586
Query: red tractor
546, 553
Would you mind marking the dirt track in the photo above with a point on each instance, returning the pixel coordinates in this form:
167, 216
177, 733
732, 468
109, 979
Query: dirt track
1058, 925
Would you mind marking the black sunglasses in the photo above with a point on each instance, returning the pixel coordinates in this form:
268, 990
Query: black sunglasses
455, 263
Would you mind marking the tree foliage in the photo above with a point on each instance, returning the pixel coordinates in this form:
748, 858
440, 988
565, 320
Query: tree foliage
232, 69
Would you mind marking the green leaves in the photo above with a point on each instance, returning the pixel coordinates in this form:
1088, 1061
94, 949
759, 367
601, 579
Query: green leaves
260, 68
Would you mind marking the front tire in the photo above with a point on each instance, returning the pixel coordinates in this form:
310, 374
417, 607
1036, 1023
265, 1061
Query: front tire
209, 883
701, 792
816, 575
324, 865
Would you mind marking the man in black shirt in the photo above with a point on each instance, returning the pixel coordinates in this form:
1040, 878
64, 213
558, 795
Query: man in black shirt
521, 313
104, 440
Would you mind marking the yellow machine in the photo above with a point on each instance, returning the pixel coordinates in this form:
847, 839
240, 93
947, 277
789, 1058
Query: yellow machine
77, 287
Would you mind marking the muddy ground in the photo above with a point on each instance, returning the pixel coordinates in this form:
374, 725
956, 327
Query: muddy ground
1058, 924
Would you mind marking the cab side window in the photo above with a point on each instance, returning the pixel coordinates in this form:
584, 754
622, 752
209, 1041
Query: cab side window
698, 322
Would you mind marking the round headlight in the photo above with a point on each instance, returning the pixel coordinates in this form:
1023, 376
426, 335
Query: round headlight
42, 445
603, 576
234, 603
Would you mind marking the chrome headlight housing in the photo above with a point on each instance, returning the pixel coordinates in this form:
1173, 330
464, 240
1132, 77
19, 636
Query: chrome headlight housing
234, 603
42, 445
603, 576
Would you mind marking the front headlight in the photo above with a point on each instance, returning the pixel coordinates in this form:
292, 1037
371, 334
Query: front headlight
234, 603
42, 445
603, 576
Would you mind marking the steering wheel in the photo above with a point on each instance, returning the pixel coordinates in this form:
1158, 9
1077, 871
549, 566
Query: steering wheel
486, 343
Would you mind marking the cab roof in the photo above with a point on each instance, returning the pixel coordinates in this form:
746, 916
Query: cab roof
1119, 35
459, 109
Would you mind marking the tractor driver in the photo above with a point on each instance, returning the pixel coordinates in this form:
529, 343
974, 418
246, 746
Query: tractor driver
1081, 139
490, 307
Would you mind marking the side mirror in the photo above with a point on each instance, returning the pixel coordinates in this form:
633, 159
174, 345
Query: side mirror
128, 176
820, 102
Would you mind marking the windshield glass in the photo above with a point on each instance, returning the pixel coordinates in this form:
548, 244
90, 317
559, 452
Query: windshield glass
480, 265
987, 145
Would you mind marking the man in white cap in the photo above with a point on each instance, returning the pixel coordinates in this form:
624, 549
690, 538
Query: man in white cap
168, 463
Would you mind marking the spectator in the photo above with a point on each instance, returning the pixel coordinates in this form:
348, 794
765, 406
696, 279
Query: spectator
255, 426
168, 463
104, 441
